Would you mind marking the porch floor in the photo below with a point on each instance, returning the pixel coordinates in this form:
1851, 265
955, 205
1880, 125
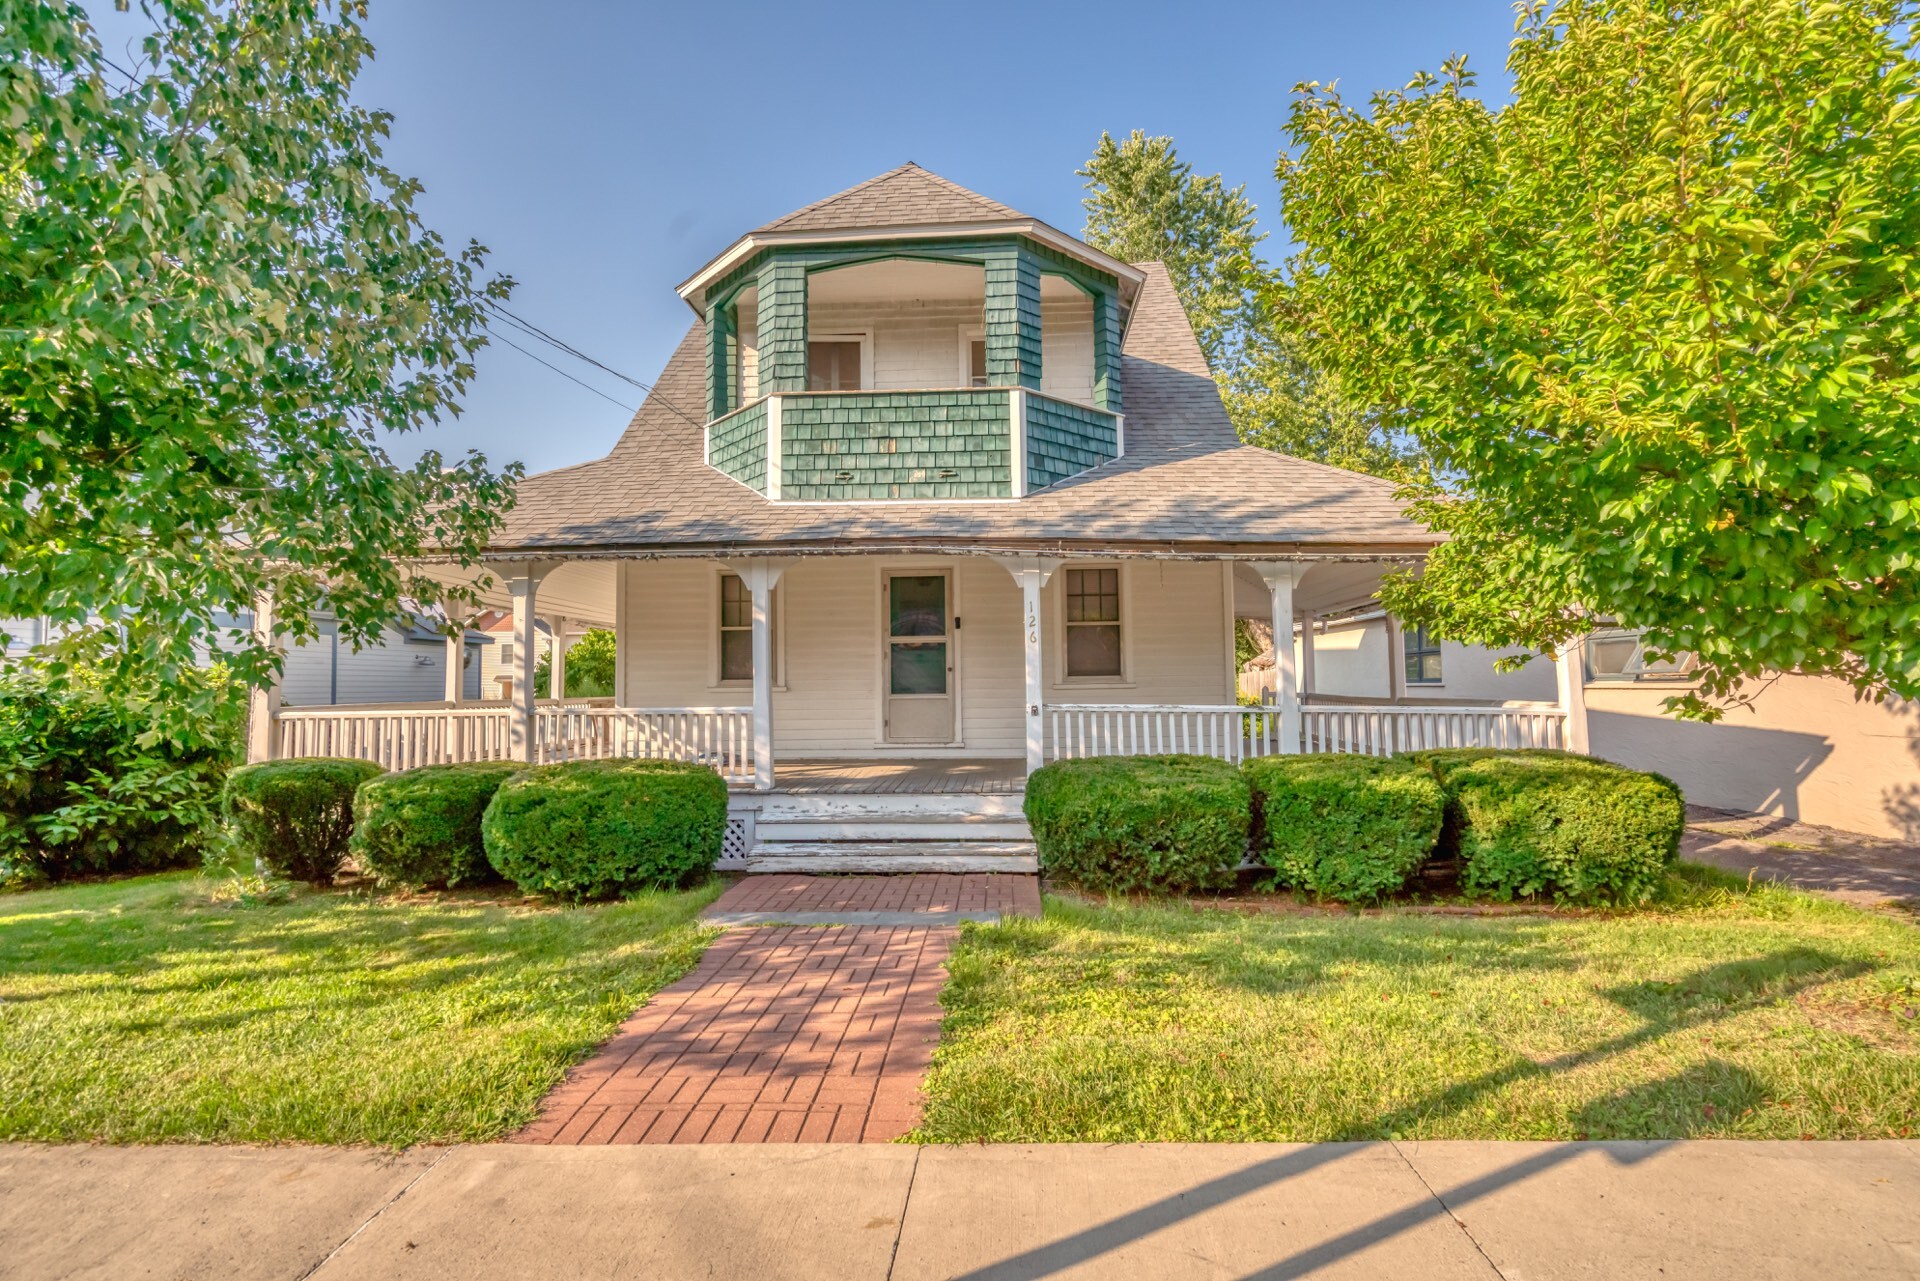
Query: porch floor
974, 776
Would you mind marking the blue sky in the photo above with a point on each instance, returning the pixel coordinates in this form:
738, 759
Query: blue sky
604, 150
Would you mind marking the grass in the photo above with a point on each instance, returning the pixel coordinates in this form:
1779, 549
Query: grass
1729, 1011
172, 1008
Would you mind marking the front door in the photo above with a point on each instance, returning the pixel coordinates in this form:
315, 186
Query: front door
918, 658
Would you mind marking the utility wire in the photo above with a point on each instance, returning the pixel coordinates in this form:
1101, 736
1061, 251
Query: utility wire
535, 332
564, 374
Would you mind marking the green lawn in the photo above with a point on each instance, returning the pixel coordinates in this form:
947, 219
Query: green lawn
150, 1010
1737, 1014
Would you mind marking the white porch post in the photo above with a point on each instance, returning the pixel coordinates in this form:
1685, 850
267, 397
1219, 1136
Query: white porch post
1396, 660
1281, 577
263, 703
456, 659
1306, 653
557, 668
523, 585
761, 577
1032, 573
1570, 673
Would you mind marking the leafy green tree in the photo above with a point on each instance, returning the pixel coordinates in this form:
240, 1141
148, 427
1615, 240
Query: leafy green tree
590, 660
216, 304
1145, 203
1657, 318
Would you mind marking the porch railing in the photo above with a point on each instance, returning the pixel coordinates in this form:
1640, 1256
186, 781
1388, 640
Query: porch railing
1237, 733
718, 736
394, 738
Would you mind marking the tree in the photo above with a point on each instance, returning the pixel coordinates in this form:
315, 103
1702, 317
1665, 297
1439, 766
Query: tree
1656, 317
590, 660
217, 303
1146, 204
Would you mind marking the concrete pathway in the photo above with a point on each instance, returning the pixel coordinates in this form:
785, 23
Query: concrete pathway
1863, 870
1433, 1211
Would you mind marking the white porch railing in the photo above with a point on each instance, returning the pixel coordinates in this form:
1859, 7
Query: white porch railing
1382, 731
1237, 733
718, 736
394, 738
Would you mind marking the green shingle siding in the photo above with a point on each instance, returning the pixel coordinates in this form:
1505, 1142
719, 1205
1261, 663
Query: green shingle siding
1064, 439
782, 280
855, 445
738, 446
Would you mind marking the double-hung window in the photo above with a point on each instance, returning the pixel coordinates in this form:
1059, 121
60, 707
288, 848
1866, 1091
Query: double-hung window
736, 629
1093, 622
1423, 657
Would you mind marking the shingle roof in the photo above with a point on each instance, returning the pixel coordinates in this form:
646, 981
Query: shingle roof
1185, 479
905, 197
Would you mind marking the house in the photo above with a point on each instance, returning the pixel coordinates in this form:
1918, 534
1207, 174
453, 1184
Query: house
1804, 748
407, 664
930, 493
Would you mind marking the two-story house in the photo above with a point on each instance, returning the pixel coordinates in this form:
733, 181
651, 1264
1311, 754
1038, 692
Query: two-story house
932, 493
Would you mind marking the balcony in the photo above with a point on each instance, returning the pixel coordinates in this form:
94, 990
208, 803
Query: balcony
931, 445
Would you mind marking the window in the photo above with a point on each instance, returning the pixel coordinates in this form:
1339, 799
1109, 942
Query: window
976, 362
506, 653
1423, 657
1093, 622
833, 364
1616, 654
736, 629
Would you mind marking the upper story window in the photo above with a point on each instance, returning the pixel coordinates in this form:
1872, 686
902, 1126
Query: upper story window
833, 364
1616, 654
976, 362
1093, 622
1423, 657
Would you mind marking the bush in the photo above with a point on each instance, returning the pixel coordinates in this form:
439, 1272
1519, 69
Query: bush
1351, 828
92, 783
1543, 822
1131, 823
296, 817
597, 829
421, 827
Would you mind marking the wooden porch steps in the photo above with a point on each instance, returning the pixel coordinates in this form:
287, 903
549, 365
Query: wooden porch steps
893, 857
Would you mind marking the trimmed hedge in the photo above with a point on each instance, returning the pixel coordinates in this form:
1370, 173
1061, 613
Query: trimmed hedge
1351, 828
296, 817
1140, 823
598, 829
1543, 822
421, 827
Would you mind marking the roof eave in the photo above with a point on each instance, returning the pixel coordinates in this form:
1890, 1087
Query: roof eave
1131, 278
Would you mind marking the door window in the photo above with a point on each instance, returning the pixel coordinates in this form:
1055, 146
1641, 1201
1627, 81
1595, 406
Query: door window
833, 365
916, 611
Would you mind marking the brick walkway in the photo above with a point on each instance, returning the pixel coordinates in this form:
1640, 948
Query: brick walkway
982, 894
779, 1034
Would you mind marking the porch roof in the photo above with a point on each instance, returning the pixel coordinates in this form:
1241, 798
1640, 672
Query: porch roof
1185, 484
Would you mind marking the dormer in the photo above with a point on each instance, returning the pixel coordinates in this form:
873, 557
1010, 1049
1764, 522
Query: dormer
911, 340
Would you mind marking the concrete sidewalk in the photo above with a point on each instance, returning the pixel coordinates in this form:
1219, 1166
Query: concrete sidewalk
1433, 1211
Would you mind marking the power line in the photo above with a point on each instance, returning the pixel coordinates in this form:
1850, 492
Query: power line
535, 332
564, 374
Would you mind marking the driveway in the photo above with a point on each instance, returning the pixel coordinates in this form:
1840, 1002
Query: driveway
1863, 870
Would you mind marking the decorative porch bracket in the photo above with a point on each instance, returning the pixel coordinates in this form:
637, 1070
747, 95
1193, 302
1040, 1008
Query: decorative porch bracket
1281, 578
761, 576
1032, 573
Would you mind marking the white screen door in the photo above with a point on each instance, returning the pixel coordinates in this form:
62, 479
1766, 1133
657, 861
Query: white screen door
918, 673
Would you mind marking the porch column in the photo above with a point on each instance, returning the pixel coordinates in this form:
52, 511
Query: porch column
1307, 685
1569, 668
1032, 573
557, 668
523, 586
760, 578
1281, 578
1396, 660
456, 659
263, 702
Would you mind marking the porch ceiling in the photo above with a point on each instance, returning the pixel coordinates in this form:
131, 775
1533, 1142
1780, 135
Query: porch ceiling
580, 590
1336, 587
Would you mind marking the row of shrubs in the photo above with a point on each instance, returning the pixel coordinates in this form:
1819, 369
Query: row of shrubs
1357, 828
583, 830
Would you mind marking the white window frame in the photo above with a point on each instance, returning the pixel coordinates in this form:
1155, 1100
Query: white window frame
862, 336
712, 628
1407, 652
1636, 671
969, 335
1057, 592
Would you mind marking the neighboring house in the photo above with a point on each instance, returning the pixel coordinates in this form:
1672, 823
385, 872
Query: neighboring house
930, 493
1805, 748
497, 659
407, 665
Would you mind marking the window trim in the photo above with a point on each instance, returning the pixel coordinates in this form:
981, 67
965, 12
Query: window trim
862, 336
969, 335
1058, 601
1634, 673
1409, 651
712, 628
